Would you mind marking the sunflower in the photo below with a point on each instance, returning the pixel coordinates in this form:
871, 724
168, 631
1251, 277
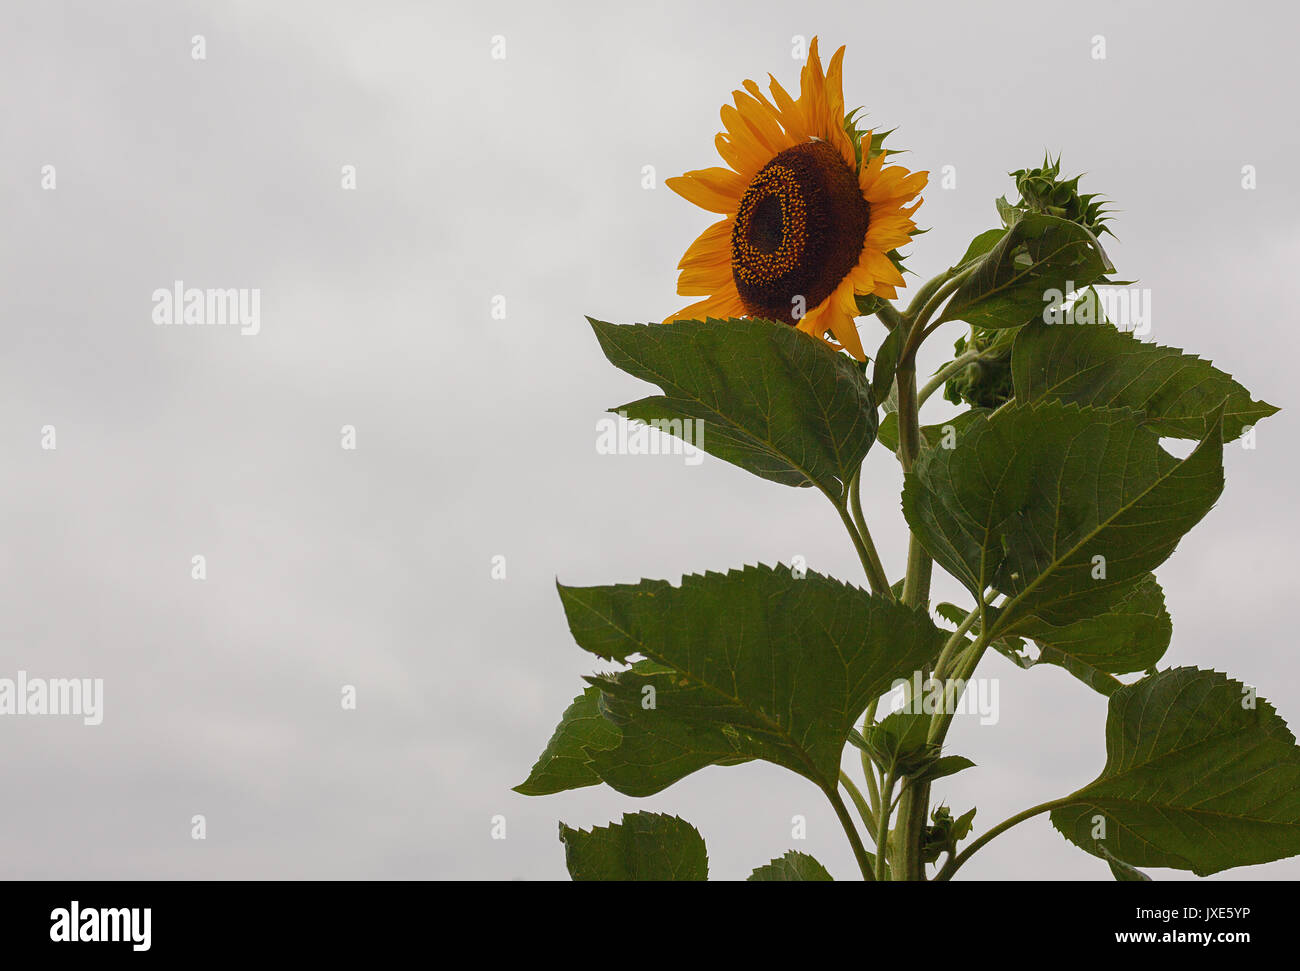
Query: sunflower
812, 213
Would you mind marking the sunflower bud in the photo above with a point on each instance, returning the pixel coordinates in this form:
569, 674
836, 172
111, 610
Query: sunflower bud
986, 382
1041, 190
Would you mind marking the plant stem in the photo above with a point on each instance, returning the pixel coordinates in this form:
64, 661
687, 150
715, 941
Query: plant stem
859, 851
915, 802
882, 824
949, 868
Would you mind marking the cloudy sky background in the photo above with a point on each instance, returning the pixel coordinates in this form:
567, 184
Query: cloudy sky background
476, 438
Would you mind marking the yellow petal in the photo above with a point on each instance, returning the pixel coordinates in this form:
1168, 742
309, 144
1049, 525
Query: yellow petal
723, 305
711, 246
790, 115
702, 279
714, 190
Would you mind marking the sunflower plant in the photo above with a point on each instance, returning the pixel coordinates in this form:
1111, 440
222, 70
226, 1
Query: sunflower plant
1050, 499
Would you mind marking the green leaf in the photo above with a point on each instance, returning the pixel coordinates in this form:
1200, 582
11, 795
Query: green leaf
1039, 253
943, 767
661, 744
565, 764
1200, 775
1132, 635
980, 245
1032, 495
766, 397
1097, 364
644, 846
765, 666
793, 866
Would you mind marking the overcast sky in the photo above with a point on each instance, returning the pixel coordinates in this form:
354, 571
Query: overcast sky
475, 438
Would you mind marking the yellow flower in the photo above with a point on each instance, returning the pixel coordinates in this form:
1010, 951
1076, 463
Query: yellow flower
807, 225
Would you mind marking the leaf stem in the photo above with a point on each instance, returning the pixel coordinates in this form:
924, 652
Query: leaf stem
944, 373
872, 564
957, 639
966, 664
859, 802
859, 851
889, 315
868, 767
875, 574
949, 868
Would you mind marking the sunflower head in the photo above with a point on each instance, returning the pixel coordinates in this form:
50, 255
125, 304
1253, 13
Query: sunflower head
811, 214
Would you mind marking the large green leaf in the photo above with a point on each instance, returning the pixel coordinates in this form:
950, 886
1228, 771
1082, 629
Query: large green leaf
1200, 775
1099, 365
644, 846
1032, 495
1037, 254
765, 666
771, 399
793, 866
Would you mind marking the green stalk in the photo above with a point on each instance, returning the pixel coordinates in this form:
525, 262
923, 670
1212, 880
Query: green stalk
868, 545
851, 831
882, 825
868, 767
944, 373
950, 867
855, 796
868, 556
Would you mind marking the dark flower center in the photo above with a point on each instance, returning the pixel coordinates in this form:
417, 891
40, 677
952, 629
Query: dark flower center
798, 232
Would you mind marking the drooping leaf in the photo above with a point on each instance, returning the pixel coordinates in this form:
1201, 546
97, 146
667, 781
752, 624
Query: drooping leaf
565, 762
1131, 635
1062, 509
1037, 254
644, 846
765, 666
1200, 775
761, 395
1097, 364
666, 730
1139, 624
882, 375
793, 866
594, 744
